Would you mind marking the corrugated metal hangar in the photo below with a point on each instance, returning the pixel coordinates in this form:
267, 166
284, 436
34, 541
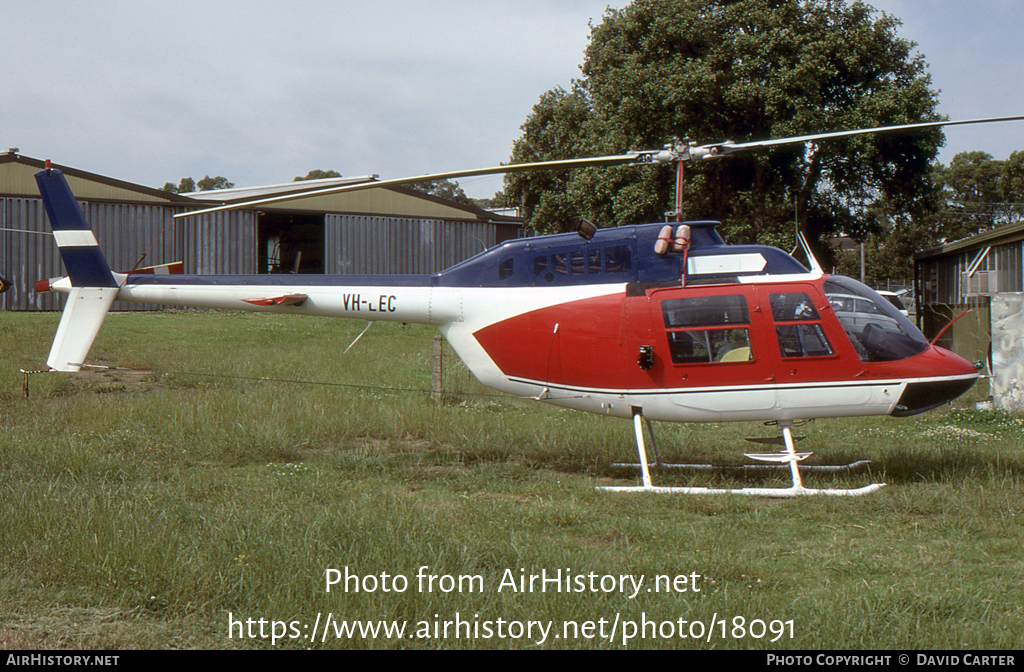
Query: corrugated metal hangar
970, 284
981, 280
386, 230
965, 275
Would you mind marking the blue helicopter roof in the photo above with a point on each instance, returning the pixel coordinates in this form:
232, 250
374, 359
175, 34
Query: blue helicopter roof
621, 254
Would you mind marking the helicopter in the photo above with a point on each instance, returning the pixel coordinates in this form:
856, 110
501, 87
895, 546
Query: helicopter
649, 322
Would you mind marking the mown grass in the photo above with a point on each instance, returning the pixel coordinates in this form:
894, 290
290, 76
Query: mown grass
141, 506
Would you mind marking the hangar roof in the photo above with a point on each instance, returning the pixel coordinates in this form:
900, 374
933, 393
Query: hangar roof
17, 180
1000, 235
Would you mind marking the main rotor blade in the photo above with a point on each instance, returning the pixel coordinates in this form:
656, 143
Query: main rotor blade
670, 154
616, 160
725, 148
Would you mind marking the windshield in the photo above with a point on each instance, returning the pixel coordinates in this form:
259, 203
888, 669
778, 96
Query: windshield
879, 332
894, 300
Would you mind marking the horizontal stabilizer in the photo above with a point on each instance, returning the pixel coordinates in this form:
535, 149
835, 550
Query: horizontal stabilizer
173, 268
83, 315
61, 284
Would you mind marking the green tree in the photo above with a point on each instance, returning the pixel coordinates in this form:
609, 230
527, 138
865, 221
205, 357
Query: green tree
487, 203
187, 185
977, 193
560, 127
213, 183
1012, 185
318, 175
973, 199
740, 69
449, 190
974, 193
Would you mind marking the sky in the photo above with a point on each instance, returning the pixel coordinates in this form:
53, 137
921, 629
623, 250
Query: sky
262, 91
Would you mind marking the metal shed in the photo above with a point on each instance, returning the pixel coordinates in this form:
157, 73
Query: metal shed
965, 275
983, 274
386, 230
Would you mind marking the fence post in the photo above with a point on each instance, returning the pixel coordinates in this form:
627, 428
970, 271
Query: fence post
436, 382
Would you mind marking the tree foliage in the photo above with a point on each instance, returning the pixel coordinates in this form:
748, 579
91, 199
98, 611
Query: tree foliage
318, 175
449, 190
713, 70
187, 185
213, 183
978, 193
973, 194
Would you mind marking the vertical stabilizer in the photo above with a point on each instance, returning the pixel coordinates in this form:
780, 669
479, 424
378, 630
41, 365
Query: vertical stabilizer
78, 246
93, 286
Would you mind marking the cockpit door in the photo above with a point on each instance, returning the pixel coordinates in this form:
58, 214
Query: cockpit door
813, 363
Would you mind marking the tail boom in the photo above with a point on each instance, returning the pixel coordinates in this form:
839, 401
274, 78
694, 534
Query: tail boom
328, 296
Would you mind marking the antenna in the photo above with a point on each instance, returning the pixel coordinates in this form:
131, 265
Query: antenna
811, 259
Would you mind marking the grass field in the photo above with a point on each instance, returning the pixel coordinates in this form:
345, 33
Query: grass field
154, 505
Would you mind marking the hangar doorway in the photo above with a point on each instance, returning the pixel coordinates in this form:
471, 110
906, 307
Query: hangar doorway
290, 243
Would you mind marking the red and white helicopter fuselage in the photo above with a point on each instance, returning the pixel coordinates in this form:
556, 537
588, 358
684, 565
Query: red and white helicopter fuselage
578, 347
615, 324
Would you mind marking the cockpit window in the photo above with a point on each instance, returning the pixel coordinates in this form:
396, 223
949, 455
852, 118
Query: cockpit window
878, 331
793, 307
798, 326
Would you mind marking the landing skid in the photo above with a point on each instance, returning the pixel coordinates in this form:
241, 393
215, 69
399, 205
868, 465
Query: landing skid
782, 460
777, 493
815, 468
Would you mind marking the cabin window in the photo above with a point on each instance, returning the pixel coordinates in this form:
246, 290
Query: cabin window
505, 269
617, 259
560, 263
540, 264
577, 262
708, 329
798, 326
705, 311
703, 346
593, 261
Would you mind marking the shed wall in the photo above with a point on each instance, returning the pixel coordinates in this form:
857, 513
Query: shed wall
219, 243
358, 244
